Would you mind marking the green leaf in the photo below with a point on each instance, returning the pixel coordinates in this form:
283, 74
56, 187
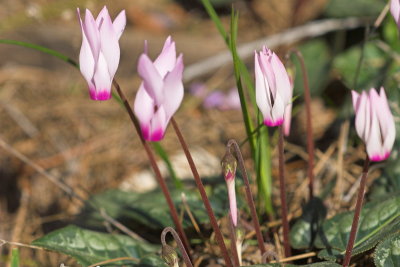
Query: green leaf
387, 253
304, 231
318, 264
357, 8
378, 219
373, 72
317, 67
89, 247
149, 211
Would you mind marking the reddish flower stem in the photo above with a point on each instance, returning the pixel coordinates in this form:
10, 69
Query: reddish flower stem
160, 180
200, 186
249, 194
282, 187
232, 236
310, 140
357, 211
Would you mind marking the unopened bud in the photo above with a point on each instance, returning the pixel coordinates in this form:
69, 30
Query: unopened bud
170, 256
229, 164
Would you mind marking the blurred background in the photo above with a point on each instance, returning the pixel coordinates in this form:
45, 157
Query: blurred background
46, 113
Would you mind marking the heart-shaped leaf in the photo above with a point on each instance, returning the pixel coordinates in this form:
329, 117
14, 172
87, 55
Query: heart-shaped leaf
378, 219
90, 247
304, 231
149, 210
387, 253
318, 264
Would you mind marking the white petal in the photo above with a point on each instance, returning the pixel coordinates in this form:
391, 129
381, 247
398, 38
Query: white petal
152, 80
119, 23
262, 89
143, 106
109, 44
86, 60
158, 125
102, 79
283, 85
173, 89
166, 61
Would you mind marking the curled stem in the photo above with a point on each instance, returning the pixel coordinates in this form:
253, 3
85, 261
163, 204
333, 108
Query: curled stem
269, 254
310, 140
357, 211
282, 187
178, 242
160, 180
249, 195
203, 194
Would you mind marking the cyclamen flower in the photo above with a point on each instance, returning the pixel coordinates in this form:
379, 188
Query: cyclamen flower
161, 91
395, 10
99, 55
374, 123
273, 88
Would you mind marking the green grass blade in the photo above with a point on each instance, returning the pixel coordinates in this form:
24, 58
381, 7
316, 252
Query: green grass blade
15, 257
214, 17
242, 75
236, 64
40, 48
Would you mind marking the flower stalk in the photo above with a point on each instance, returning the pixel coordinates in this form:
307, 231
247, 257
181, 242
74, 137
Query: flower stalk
310, 140
203, 194
357, 211
282, 188
160, 180
249, 195
234, 240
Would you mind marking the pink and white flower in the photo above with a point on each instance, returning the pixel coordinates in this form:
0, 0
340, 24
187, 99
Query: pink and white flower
273, 88
100, 53
161, 92
395, 10
374, 123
